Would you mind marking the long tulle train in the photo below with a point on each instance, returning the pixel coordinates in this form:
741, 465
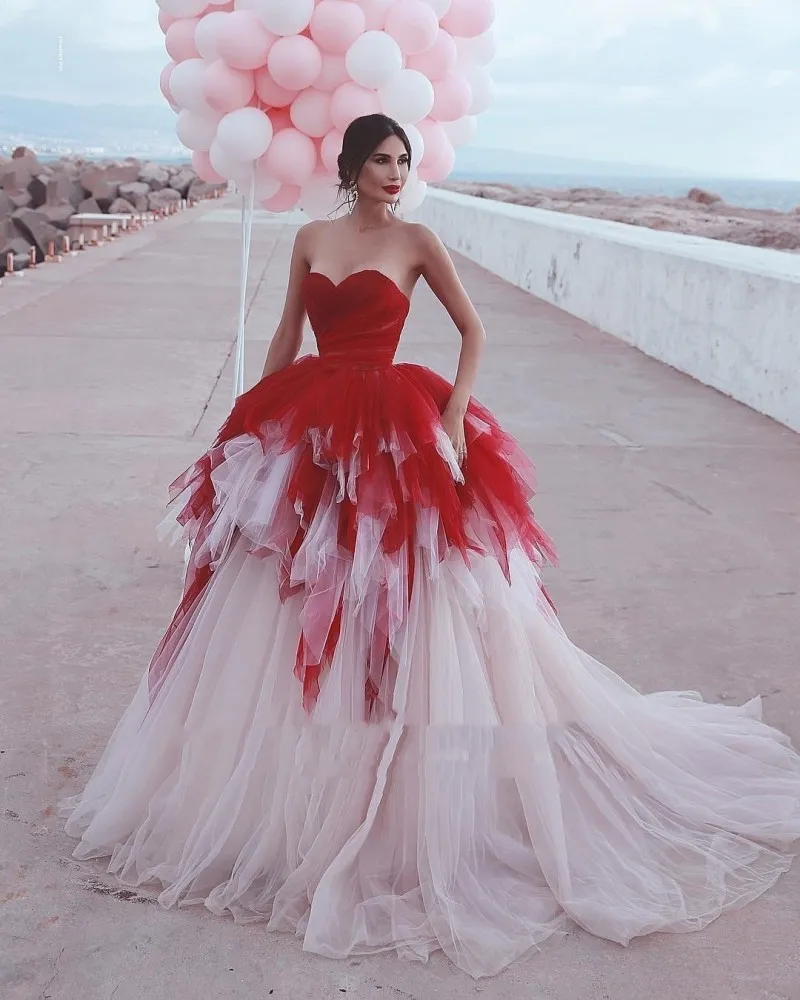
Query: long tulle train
517, 782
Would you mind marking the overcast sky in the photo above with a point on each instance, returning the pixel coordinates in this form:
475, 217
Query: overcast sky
707, 85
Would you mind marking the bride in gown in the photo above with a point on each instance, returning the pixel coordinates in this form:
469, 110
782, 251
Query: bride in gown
364, 723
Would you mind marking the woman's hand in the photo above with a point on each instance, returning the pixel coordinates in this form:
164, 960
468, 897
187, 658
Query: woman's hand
453, 423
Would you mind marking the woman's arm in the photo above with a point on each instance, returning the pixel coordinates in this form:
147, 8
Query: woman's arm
440, 273
288, 337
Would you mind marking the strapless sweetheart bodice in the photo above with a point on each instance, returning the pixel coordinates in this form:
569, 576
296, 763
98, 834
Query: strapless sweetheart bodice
359, 321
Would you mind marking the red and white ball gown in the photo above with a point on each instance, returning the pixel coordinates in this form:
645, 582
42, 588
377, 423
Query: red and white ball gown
365, 724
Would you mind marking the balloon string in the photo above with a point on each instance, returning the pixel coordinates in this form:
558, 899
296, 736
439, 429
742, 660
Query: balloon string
248, 202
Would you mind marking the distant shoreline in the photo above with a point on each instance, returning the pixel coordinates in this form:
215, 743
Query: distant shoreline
782, 196
696, 212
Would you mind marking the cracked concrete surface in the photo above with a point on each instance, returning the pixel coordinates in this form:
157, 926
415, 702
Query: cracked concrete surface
674, 508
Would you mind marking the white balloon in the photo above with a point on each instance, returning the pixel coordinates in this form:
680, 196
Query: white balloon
186, 85
374, 59
440, 7
182, 8
283, 17
195, 131
319, 198
476, 51
205, 34
408, 97
479, 80
228, 166
417, 143
245, 134
413, 194
461, 131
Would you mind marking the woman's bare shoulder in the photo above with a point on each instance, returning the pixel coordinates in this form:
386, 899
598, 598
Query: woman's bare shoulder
308, 237
423, 236
427, 245
311, 231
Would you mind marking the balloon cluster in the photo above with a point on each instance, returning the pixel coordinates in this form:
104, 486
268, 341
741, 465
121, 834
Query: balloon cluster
264, 89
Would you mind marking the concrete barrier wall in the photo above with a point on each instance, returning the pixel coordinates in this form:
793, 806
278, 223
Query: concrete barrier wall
728, 315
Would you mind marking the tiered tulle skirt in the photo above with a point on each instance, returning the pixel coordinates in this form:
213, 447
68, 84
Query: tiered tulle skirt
366, 726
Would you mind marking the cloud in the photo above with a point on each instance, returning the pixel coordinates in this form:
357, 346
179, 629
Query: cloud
705, 84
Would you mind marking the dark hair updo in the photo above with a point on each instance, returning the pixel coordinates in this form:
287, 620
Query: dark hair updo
361, 139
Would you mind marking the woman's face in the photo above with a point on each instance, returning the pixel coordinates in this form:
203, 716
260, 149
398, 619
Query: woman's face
385, 173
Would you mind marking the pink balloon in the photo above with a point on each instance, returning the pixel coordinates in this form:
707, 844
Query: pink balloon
329, 150
462, 131
165, 20
333, 73
243, 41
271, 93
180, 39
336, 24
291, 157
226, 89
281, 118
284, 200
436, 143
166, 73
266, 185
204, 170
206, 32
350, 102
439, 60
375, 13
311, 112
440, 167
413, 25
469, 18
294, 62
452, 97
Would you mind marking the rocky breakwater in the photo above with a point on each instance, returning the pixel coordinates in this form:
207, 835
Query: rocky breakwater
700, 213
39, 200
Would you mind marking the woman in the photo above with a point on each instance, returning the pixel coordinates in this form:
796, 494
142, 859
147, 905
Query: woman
364, 723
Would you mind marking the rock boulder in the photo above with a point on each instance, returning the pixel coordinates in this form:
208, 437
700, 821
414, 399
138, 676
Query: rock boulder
161, 199
182, 181
36, 229
153, 175
120, 206
37, 200
20, 248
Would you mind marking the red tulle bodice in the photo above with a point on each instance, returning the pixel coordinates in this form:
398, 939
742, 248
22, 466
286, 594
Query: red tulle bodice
338, 466
359, 321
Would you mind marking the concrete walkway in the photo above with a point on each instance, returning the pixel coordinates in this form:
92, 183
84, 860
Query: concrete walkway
676, 513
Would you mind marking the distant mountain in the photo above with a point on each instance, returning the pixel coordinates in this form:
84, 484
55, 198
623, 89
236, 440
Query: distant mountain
149, 130
49, 126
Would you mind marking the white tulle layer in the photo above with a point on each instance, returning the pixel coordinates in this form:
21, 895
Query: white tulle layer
517, 783
369, 585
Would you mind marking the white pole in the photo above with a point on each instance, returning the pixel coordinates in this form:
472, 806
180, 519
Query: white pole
248, 202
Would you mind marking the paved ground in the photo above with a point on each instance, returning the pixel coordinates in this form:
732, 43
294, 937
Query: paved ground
675, 508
